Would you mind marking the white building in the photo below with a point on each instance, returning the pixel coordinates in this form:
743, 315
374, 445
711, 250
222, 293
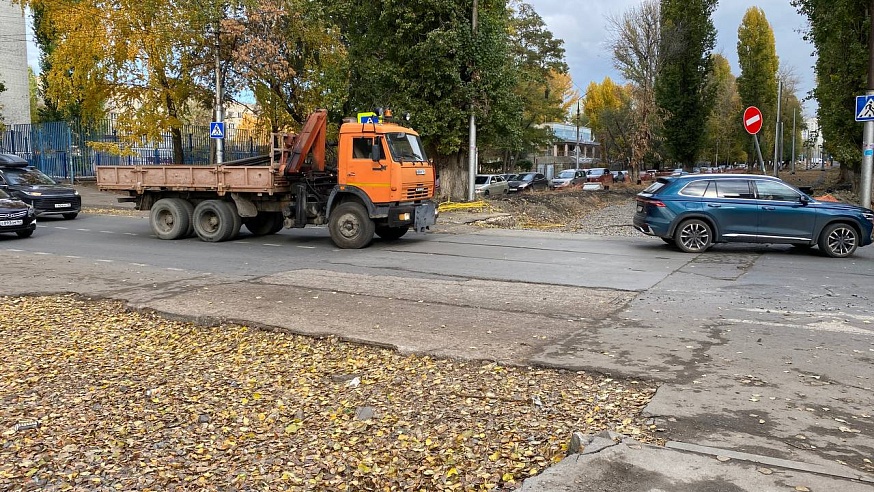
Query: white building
15, 100
812, 141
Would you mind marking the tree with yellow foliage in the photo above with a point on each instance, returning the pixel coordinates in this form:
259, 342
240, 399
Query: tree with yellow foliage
138, 59
609, 108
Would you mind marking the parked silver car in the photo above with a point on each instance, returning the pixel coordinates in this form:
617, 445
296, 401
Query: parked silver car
568, 178
491, 184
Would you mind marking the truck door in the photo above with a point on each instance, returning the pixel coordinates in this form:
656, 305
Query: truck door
372, 176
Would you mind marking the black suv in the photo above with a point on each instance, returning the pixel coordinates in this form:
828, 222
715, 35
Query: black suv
16, 216
31, 186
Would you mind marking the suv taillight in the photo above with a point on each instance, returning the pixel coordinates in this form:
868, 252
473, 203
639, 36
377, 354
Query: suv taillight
654, 203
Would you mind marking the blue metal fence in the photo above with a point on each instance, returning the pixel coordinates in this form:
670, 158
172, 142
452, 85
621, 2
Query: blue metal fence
62, 150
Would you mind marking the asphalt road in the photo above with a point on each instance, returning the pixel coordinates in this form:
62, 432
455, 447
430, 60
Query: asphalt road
760, 349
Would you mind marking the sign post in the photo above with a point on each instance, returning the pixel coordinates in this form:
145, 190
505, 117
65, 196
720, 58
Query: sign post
753, 125
865, 112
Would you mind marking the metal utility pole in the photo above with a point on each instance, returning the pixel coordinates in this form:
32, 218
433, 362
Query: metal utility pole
471, 165
577, 148
868, 130
794, 110
219, 142
777, 129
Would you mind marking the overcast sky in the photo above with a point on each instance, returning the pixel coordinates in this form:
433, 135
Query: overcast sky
583, 27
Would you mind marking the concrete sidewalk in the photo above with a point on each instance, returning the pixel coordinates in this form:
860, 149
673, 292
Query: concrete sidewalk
610, 462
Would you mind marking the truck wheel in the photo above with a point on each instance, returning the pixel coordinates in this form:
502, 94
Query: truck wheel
216, 221
391, 233
264, 223
260, 224
189, 207
170, 218
350, 226
278, 222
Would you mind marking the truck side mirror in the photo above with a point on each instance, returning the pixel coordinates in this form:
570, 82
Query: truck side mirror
376, 150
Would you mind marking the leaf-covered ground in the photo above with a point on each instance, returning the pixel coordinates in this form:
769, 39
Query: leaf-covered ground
131, 401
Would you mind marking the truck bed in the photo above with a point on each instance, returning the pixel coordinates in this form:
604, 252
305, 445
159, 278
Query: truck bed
220, 179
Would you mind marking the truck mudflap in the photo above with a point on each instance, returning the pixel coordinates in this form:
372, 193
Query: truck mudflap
426, 216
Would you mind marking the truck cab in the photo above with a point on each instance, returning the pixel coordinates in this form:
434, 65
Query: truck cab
384, 167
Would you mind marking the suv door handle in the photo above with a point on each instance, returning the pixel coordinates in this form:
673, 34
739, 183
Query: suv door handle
768, 207
714, 205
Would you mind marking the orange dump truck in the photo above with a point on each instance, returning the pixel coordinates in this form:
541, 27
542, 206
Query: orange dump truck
382, 184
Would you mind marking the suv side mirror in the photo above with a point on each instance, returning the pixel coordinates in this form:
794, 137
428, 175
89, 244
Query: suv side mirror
804, 199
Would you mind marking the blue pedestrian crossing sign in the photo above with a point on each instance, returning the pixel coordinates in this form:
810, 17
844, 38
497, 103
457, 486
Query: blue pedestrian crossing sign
217, 129
865, 108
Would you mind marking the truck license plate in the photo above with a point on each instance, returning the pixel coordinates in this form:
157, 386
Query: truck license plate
62, 205
11, 222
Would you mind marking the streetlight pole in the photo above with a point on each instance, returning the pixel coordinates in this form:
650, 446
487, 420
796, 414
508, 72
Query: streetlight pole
471, 165
777, 129
794, 110
868, 129
577, 147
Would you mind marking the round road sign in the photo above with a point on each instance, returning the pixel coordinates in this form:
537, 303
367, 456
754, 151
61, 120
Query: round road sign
752, 120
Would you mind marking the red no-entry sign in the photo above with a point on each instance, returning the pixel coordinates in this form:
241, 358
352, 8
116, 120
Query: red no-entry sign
752, 120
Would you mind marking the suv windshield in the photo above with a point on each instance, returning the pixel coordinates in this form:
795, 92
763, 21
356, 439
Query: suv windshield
27, 176
406, 147
567, 174
525, 177
481, 180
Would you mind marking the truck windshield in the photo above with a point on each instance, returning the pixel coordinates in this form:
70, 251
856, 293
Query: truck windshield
406, 147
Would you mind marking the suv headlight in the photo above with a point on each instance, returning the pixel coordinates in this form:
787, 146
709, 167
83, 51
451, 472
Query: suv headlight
76, 192
30, 210
869, 216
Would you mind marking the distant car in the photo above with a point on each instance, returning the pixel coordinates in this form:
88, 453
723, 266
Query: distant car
600, 175
568, 178
528, 181
490, 184
693, 211
31, 186
16, 216
619, 176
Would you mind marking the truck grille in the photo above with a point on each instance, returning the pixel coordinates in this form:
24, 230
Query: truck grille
418, 191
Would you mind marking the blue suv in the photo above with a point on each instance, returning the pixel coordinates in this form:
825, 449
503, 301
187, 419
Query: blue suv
695, 211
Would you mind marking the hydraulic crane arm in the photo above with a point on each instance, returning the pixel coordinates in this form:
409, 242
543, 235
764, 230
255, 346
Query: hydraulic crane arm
311, 139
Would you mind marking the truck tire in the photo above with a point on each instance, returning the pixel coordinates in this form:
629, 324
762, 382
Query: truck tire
278, 222
350, 226
170, 218
391, 233
189, 207
216, 221
264, 223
